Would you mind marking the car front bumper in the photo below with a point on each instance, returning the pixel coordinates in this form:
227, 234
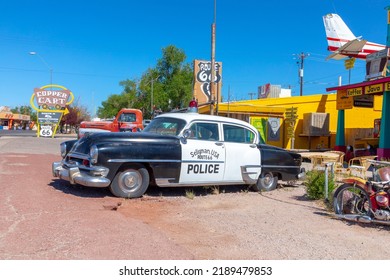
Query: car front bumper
74, 175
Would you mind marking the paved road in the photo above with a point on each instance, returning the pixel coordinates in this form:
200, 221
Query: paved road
30, 133
42, 217
45, 218
27, 142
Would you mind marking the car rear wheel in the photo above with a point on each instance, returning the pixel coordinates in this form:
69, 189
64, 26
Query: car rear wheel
130, 182
266, 182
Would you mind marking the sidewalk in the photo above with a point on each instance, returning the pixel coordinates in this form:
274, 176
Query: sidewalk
31, 145
33, 133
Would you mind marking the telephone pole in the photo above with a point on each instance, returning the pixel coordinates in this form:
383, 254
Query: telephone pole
301, 58
212, 78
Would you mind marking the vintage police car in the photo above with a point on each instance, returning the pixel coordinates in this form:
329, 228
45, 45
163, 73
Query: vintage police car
177, 149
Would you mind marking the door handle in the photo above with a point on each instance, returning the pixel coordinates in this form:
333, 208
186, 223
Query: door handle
253, 145
219, 143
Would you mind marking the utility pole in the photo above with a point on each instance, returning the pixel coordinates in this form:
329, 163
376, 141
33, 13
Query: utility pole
301, 57
152, 80
151, 98
229, 102
251, 94
212, 78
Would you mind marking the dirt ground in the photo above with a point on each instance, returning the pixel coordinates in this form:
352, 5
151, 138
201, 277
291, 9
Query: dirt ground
42, 217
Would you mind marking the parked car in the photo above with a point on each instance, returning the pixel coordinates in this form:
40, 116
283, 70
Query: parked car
176, 150
127, 119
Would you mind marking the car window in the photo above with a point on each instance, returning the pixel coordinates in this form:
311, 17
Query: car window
237, 134
204, 131
165, 126
127, 117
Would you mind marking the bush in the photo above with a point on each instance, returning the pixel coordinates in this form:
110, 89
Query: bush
315, 184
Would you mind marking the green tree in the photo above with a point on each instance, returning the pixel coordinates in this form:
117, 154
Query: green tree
169, 84
150, 91
115, 102
25, 110
166, 86
176, 78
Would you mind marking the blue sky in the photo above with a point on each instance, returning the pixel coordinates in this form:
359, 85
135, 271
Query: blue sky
93, 45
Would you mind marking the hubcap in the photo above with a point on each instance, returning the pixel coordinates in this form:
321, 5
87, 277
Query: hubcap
130, 180
268, 180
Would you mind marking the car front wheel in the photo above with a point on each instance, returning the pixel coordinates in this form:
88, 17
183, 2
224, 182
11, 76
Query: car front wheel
266, 182
130, 182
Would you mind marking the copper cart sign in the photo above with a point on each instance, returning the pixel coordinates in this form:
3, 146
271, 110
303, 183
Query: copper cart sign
50, 102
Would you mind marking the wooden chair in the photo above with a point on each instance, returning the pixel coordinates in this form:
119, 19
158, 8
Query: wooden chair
339, 167
360, 165
340, 160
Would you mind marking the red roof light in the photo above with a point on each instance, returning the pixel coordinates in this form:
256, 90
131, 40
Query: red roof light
193, 106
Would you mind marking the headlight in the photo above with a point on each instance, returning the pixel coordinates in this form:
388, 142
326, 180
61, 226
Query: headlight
93, 153
63, 149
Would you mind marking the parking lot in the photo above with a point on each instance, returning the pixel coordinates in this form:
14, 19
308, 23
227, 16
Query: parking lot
43, 217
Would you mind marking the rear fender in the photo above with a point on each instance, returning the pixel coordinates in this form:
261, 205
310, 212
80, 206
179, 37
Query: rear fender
355, 180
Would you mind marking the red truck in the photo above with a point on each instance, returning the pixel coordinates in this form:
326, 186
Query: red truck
125, 121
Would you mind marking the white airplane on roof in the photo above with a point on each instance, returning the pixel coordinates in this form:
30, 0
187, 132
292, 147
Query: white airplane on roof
343, 43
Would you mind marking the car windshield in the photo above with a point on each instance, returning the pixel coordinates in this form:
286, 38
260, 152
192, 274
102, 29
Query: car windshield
165, 126
127, 117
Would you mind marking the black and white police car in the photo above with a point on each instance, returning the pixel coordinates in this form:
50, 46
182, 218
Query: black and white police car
177, 149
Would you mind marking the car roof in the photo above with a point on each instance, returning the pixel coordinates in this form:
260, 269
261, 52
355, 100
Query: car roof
188, 117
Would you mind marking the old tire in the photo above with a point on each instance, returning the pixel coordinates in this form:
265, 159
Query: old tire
266, 182
130, 182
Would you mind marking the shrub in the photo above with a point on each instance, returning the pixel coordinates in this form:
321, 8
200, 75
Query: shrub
315, 184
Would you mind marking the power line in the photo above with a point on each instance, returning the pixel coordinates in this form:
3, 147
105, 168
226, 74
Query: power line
60, 72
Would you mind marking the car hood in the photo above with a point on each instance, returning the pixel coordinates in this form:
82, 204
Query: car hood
120, 138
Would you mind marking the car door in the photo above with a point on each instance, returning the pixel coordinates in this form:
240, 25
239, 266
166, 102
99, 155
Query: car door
242, 154
203, 155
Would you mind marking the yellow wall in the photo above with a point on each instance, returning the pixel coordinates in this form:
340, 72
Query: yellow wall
359, 122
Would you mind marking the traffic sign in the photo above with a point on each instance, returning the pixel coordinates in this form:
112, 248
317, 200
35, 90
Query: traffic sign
46, 131
291, 113
349, 63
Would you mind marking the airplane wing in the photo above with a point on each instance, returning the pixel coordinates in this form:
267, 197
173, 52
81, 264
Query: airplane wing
335, 55
350, 48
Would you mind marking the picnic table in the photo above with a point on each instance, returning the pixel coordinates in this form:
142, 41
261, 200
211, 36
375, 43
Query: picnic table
319, 158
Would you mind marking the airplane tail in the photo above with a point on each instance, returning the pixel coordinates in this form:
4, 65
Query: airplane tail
337, 32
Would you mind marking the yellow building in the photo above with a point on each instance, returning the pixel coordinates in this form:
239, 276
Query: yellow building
316, 123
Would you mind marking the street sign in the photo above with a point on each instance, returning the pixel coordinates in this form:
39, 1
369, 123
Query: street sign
349, 63
46, 131
50, 102
49, 117
291, 114
343, 100
291, 117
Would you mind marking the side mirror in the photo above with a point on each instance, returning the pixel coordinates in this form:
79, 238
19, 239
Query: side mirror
186, 134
